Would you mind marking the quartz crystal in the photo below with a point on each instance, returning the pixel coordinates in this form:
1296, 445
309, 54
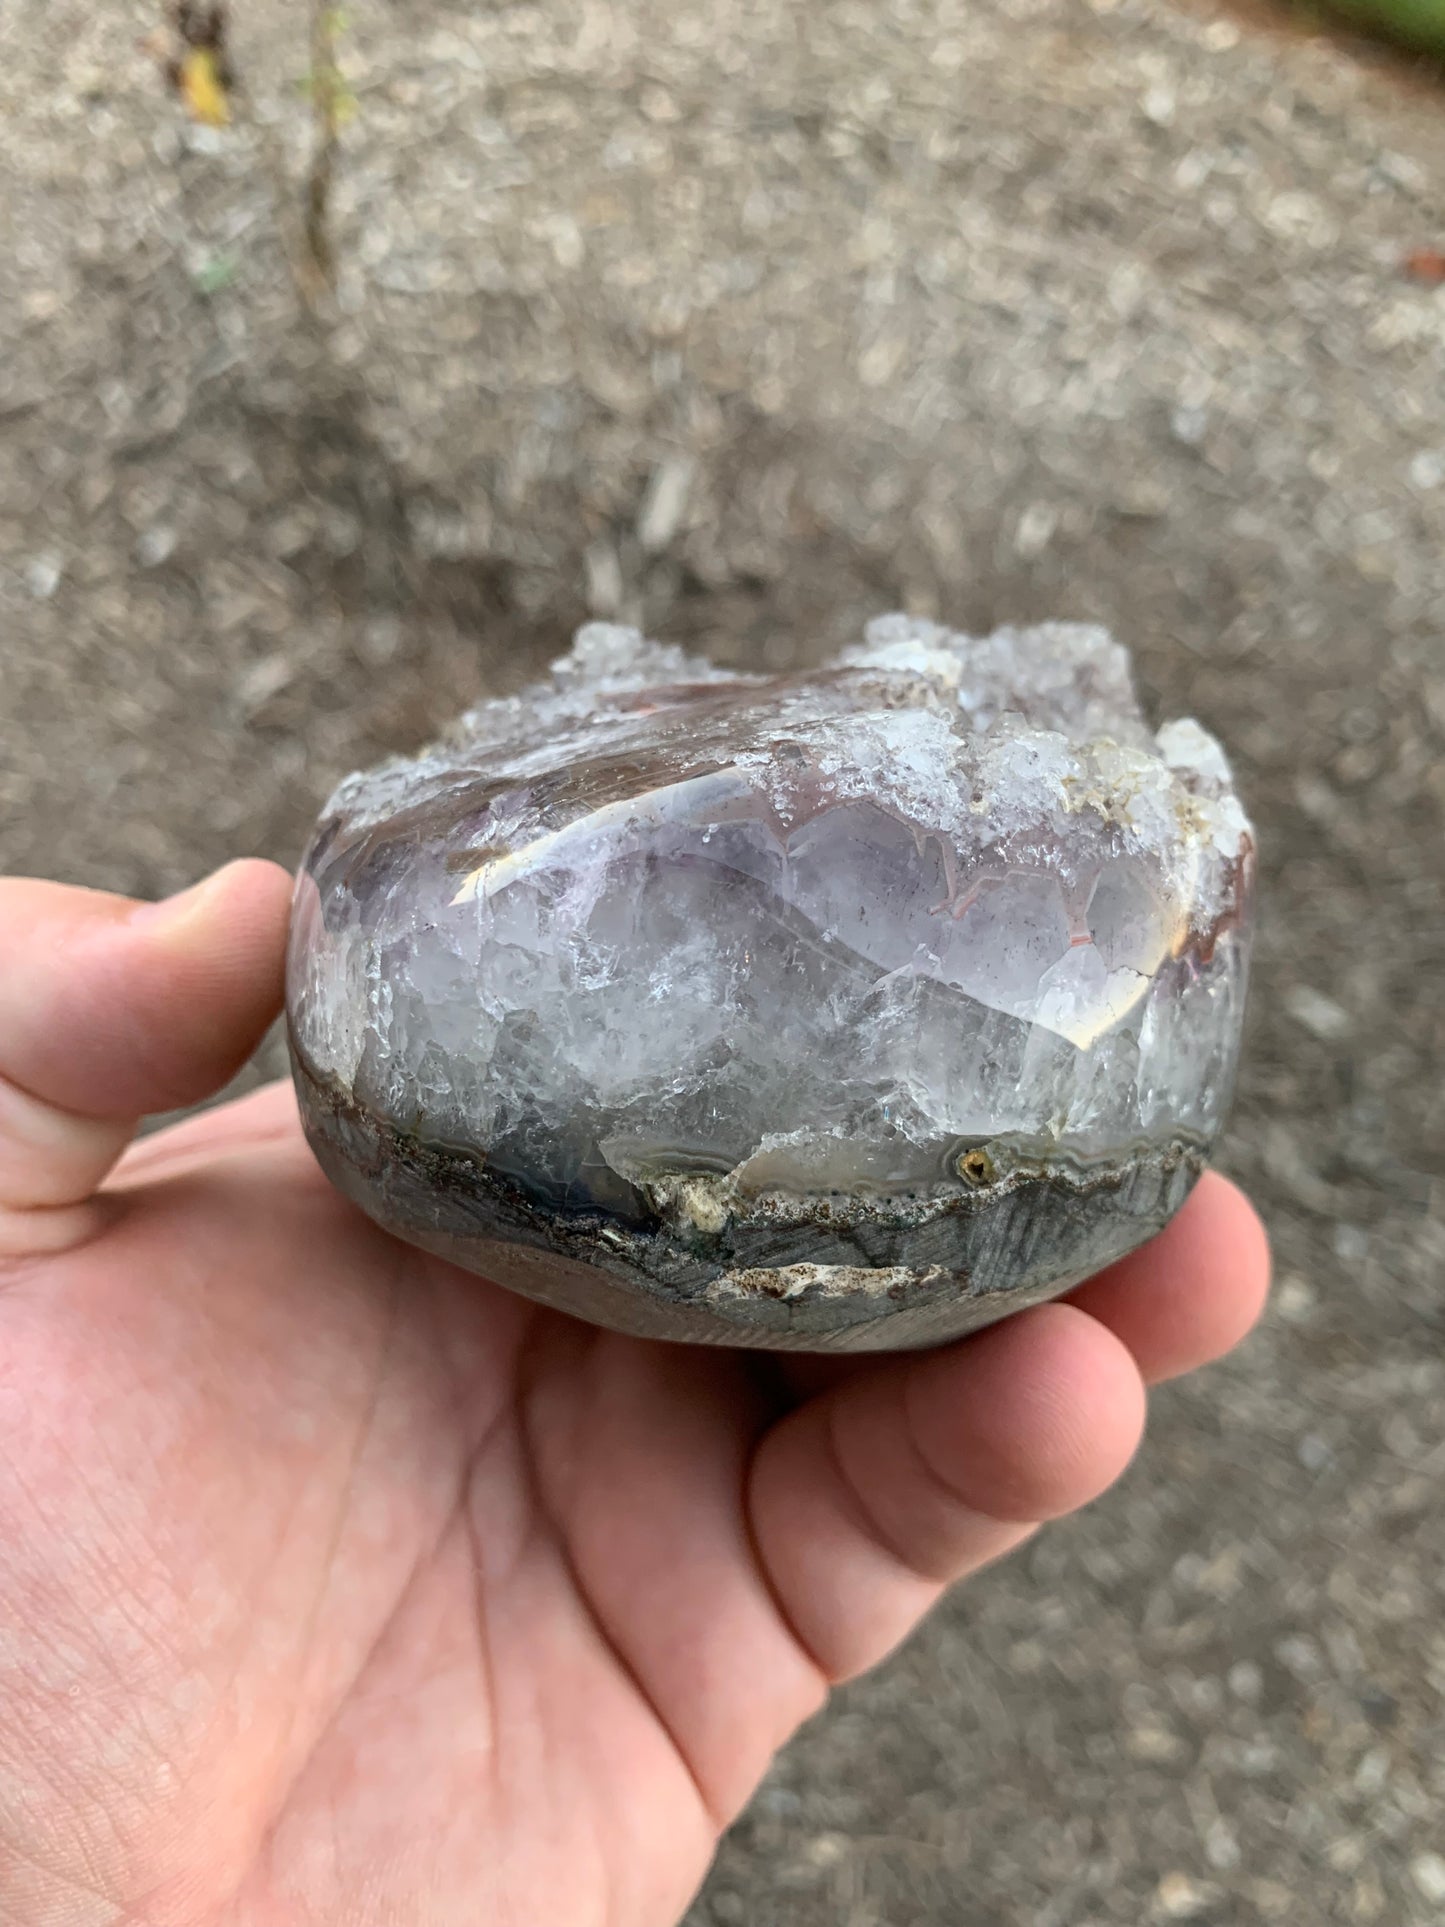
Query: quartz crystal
840, 1009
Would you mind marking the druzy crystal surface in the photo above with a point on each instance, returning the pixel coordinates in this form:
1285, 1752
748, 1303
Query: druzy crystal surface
847, 1007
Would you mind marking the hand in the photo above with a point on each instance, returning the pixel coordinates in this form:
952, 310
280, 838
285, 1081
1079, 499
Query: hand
339, 1586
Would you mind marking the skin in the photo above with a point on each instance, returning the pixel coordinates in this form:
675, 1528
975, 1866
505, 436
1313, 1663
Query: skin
337, 1585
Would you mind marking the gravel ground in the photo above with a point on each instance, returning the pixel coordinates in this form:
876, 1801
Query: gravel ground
748, 322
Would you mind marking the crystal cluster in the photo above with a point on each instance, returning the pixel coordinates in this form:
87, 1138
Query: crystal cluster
850, 1007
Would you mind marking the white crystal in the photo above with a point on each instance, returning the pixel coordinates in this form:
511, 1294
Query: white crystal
813, 930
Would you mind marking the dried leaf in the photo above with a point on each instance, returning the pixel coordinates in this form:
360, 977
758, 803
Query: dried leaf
202, 87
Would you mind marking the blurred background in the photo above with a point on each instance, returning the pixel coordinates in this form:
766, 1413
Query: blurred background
747, 322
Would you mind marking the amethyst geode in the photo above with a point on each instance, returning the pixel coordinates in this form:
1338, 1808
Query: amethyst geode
843, 1009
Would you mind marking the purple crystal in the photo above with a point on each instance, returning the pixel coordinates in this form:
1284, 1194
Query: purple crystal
847, 1008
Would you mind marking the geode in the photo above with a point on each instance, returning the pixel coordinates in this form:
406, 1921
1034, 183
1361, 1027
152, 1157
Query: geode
842, 1009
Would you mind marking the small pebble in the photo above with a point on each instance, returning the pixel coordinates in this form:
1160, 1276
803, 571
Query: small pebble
1427, 1870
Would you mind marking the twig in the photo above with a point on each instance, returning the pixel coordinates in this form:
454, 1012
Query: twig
327, 95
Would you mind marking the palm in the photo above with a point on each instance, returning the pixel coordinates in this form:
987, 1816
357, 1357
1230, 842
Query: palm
352, 1545
340, 1585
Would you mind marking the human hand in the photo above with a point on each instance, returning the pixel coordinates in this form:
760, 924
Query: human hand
340, 1586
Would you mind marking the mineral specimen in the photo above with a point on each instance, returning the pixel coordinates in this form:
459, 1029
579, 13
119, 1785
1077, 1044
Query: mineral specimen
843, 1009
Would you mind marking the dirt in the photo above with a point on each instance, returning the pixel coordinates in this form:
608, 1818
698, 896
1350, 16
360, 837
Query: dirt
747, 323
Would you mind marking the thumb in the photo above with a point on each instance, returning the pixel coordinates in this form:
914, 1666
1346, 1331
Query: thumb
110, 1009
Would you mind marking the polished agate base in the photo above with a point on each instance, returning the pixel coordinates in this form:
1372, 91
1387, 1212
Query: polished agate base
840, 1010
